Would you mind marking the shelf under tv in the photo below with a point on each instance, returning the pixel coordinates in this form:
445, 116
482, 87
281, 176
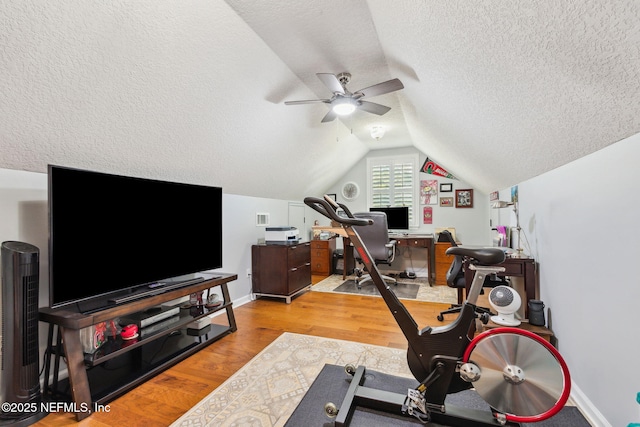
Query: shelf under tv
115, 347
118, 366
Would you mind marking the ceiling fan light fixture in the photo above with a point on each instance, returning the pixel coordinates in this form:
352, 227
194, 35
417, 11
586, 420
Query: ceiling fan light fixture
344, 106
344, 102
377, 132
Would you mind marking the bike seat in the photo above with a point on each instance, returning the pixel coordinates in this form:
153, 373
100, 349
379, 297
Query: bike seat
484, 256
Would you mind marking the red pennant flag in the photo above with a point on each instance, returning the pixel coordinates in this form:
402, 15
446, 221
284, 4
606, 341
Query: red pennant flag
433, 168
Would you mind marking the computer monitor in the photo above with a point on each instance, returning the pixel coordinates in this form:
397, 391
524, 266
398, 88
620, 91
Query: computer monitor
397, 217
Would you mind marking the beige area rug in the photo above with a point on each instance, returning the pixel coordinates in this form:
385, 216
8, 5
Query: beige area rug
443, 294
266, 391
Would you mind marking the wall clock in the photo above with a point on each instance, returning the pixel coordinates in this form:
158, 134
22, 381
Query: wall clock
350, 190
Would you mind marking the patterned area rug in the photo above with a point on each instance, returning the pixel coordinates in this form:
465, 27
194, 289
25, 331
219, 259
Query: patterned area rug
266, 391
442, 294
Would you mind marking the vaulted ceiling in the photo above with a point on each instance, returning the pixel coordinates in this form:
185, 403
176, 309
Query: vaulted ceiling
496, 92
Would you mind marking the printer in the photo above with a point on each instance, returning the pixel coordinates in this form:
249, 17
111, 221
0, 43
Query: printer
281, 235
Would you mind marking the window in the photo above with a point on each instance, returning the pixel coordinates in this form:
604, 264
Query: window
392, 182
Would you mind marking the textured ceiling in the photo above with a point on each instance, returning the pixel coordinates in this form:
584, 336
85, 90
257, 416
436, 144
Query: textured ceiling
496, 92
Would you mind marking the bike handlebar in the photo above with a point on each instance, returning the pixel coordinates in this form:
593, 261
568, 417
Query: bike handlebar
325, 208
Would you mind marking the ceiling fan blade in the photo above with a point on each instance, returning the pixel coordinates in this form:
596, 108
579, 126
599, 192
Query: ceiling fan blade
332, 82
331, 116
372, 107
381, 88
308, 101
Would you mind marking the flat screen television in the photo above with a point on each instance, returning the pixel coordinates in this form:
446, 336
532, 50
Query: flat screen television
397, 217
114, 235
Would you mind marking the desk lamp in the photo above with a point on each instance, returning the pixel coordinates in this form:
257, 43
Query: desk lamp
502, 204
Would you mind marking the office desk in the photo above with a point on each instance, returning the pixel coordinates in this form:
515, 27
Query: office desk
403, 240
514, 267
419, 241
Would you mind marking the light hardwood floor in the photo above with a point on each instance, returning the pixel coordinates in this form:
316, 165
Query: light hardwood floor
164, 398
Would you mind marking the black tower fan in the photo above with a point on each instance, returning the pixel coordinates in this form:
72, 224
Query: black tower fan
19, 383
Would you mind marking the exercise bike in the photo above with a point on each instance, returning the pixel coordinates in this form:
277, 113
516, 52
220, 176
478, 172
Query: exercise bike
521, 376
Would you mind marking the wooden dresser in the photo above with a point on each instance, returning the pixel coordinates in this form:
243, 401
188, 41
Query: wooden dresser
442, 262
322, 256
281, 270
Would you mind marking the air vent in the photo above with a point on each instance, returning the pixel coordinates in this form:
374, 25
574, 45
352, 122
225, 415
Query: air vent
262, 219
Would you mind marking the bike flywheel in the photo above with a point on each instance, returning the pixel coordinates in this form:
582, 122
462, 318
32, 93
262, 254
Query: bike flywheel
521, 375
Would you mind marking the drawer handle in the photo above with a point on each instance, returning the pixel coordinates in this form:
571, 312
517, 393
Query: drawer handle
294, 269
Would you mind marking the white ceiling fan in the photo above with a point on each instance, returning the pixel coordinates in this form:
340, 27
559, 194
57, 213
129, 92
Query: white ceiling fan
344, 102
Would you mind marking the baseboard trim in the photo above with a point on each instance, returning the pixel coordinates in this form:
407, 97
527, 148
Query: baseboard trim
586, 407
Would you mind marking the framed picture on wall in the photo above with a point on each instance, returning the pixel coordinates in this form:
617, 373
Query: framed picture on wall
429, 192
464, 198
427, 215
446, 202
446, 187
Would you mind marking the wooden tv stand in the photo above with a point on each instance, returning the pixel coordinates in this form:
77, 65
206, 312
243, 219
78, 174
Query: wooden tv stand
136, 360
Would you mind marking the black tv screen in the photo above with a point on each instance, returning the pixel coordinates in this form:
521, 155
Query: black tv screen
111, 233
397, 217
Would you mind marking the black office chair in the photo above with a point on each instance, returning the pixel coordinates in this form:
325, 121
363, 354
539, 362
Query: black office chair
376, 239
456, 280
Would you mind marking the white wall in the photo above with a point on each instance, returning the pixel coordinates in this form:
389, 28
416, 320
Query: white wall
581, 221
471, 224
24, 216
240, 232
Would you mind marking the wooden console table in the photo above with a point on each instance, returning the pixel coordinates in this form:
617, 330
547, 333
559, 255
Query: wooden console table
514, 267
98, 388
